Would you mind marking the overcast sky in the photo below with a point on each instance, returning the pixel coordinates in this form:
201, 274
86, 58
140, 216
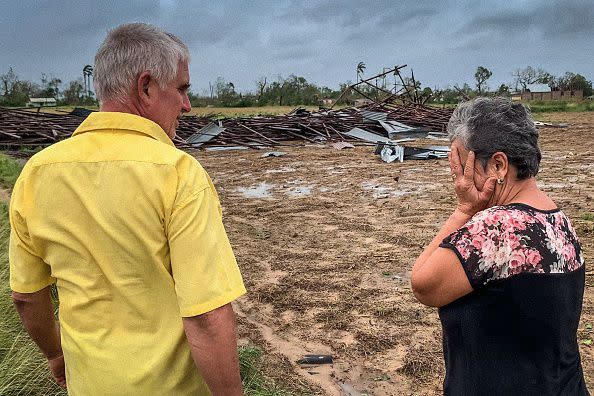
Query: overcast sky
240, 40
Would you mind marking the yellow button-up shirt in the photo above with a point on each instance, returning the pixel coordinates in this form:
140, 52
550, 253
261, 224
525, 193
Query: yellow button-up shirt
130, 229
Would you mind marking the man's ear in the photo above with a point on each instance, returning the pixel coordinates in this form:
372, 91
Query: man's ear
143, 83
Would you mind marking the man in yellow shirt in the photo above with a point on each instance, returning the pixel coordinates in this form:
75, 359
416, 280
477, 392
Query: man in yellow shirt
130, 230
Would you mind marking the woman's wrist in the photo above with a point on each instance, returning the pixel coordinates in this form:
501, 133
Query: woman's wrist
467, 210
461, 216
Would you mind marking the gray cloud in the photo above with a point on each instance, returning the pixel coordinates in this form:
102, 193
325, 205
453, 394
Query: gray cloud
553, 19
321, 40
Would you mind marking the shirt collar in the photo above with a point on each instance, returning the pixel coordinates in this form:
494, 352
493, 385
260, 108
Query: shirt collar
103, 120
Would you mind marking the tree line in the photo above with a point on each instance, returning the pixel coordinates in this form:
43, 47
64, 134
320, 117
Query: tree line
296, 90
15, 91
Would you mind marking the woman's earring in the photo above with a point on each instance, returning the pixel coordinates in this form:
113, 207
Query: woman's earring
499, 181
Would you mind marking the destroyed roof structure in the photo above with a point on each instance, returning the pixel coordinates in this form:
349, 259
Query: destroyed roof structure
393, 116
22, 128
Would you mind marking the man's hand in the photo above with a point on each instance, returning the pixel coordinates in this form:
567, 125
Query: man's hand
213, 343
470, 199
58, 369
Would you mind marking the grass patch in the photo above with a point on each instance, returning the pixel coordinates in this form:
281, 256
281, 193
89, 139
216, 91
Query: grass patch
9, 171
254, 382
554, 106
23, 369
588, 216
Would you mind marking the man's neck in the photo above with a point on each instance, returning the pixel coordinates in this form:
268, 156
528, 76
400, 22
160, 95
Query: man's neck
120, 107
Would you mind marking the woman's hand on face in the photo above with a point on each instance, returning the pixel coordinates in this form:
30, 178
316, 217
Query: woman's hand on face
470, 199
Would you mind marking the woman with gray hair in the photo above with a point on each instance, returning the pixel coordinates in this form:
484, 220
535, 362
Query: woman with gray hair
506, 269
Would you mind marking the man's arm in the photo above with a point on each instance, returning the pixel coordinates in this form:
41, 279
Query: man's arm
213, 342
37, 315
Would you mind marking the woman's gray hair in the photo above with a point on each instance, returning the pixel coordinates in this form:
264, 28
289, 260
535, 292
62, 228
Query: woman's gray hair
489, 125
131, 49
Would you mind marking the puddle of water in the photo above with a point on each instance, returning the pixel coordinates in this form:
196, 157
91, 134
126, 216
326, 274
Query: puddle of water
299, 191
380, 191
261, 190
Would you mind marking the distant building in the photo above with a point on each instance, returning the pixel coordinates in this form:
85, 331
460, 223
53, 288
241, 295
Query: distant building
543, 92
326, 103
363, 102
41, 102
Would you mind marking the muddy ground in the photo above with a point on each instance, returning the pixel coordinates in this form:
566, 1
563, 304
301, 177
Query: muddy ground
326, 239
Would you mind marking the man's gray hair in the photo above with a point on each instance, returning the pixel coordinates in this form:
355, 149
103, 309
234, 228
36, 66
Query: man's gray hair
131, 49
489, 125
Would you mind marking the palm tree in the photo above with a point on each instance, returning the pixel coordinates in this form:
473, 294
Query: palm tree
360, 69
87, 73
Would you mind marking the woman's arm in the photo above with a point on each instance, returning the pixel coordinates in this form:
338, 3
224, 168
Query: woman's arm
437, 276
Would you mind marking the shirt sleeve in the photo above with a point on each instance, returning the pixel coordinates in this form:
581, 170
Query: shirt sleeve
203, 265
481, 248
28, 272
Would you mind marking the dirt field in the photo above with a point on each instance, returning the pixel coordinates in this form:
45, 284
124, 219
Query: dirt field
326, 240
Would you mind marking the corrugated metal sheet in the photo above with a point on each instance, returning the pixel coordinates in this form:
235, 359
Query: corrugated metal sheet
426, 152
373, 116
372, 137
205, 134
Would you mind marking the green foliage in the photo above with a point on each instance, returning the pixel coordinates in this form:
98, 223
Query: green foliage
254, 383
75, 94
9, 171
23, 369
360, 70
574, 82
530, 75
17, 92
554, 106
50, 87
503, 90
481, 76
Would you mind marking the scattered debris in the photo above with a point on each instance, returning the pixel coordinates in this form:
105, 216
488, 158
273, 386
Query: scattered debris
315, 359
225, 148
342, 145
373, 116
430, 152
384, 121
273, 154
392, 152
81, 112
362, 134
205, 134
550, 124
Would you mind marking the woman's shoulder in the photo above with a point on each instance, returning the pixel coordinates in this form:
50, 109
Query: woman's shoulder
517, 215
506, 240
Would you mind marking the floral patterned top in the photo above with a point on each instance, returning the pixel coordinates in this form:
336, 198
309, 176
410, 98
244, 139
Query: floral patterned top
503, 241
516, 332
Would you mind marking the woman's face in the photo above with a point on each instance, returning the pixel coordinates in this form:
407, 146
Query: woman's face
480, 175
